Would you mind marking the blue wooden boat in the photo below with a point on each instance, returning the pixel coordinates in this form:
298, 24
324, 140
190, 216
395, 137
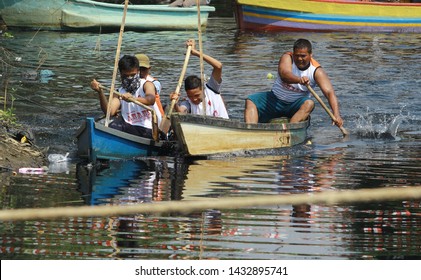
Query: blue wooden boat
86, 15
96, 141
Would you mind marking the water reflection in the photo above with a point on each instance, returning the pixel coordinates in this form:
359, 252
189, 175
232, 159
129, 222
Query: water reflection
123, 182
270, 232
376, 231
146, 181
386, 233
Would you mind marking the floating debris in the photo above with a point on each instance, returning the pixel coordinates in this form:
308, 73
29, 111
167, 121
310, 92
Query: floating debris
33, 170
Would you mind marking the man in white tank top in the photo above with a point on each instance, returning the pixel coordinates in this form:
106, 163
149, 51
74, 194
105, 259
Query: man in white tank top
289, 96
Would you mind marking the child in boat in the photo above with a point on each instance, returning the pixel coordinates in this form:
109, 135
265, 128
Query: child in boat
134, 119
214, 104
145, 73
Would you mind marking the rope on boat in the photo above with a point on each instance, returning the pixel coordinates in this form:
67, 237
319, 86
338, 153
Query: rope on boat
326, 197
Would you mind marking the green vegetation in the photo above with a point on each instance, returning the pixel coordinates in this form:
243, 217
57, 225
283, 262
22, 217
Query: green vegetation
7, 118
7, 115
8, 35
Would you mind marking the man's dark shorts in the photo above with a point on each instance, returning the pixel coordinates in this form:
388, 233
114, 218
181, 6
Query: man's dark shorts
270, 107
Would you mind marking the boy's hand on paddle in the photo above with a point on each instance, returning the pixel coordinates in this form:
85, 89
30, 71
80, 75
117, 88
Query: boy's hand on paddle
174, 96
192, 43
95, 85
126, 96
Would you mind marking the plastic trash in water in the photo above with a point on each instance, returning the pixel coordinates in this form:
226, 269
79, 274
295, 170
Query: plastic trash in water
55, 158
33, 170
46, 73
59, 167
58, 163
45, 76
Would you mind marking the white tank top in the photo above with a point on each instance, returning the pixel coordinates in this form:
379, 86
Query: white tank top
291, 92
133, 113
215, 105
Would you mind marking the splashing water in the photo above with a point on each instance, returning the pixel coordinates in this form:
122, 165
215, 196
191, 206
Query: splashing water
379, 126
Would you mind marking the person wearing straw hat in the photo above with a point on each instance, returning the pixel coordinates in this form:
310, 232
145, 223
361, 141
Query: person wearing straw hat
193, 85
145, 73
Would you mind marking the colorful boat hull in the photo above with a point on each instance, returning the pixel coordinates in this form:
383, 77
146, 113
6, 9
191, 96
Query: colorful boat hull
328, 16
86, 15
202, 135
96, 141
82, 14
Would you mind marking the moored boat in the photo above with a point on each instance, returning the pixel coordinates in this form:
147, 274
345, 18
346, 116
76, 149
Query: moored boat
86, 15
203, 135
97, 141
328, 15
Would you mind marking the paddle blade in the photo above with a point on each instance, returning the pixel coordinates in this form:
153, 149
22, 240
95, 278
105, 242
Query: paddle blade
165, 125
344, 131
166, 120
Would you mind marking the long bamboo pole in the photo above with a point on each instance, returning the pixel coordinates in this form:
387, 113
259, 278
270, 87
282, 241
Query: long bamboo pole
166, 120
117, 57
202, 72
325, 198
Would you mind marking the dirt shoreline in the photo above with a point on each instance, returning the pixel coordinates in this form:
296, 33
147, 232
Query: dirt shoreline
15, 155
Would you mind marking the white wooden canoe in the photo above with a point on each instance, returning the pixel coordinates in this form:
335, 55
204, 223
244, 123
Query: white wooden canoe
202, 135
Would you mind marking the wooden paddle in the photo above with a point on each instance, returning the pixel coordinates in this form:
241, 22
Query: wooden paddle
155, 131
202, 71
166, 120
117, 57
344, 131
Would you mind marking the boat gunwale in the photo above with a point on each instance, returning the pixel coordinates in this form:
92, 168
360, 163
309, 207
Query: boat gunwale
236, 124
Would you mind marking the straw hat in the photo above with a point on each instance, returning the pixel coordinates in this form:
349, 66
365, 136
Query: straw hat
143, 60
